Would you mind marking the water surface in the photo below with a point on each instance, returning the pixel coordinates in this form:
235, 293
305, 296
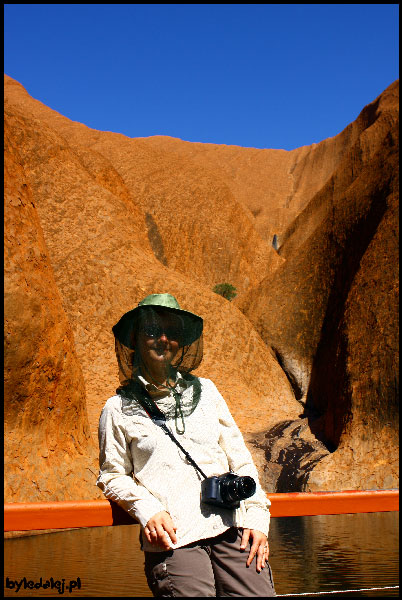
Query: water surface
307, 554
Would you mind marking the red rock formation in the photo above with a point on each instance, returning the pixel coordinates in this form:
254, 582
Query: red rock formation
122, 218
48, 449
330, 311
104, 263
162, 185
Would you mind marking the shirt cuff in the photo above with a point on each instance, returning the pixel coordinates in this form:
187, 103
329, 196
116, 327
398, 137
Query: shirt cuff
141, 509
256, 518
146, 509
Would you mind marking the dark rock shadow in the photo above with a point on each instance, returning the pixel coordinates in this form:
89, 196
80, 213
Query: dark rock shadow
155, 239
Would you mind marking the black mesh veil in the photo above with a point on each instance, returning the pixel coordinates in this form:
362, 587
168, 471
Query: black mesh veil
173, 339
148, 318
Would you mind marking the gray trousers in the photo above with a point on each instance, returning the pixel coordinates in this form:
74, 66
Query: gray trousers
208, 568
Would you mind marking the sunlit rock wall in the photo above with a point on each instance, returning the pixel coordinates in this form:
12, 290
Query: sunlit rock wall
305, 355
49, 453
103, 262
330, 311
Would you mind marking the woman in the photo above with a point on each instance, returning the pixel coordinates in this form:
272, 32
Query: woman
192, 548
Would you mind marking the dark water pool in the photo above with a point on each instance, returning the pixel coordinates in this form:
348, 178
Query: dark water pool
323, 553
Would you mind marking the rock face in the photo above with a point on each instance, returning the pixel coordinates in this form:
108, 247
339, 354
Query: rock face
48, 449
115, 219
330, 311
104, 260
288, 453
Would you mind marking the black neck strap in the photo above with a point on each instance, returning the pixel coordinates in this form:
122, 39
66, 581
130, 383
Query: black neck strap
159, 419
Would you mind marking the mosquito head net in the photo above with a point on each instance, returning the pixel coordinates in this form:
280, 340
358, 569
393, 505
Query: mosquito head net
157, 339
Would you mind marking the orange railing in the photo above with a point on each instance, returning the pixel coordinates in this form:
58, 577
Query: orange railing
100, 513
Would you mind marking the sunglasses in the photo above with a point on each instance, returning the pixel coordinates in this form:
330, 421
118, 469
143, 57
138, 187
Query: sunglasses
155, 331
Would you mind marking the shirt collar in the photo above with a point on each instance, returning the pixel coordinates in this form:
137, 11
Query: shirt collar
180, 384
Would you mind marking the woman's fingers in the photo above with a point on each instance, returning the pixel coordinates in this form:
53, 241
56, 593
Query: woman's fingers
265, 554
244, 539
252, 553
260, 557
157, 528
171, 530
259, 549
151, 534
160, 538
156, 536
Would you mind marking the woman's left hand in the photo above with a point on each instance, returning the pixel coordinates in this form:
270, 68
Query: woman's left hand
259, 547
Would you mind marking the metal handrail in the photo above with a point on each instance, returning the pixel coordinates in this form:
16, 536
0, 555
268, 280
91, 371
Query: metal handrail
100, 513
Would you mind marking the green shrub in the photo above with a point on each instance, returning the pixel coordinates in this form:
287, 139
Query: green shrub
226, 290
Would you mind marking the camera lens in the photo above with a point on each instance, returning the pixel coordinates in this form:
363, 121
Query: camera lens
237, 488
246, 487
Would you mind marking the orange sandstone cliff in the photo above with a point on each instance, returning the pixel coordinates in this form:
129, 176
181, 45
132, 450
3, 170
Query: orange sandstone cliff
95, 221
330, 311
49, 453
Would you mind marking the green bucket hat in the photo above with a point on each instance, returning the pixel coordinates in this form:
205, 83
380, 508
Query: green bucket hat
193, 324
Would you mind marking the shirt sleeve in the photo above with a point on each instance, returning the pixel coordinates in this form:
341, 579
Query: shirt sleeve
116, 469
257, 515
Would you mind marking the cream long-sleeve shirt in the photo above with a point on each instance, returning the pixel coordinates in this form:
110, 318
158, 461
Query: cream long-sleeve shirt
144, 471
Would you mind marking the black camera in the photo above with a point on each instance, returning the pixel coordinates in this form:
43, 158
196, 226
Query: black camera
227, 490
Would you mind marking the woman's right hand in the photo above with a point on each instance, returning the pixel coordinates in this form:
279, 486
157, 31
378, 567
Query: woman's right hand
157, 526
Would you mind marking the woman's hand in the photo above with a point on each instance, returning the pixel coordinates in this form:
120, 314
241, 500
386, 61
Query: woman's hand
157, 526
259, 547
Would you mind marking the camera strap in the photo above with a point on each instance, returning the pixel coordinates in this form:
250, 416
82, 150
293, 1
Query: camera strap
157, 416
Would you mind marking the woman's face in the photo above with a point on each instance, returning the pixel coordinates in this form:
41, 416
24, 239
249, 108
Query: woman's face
159, 341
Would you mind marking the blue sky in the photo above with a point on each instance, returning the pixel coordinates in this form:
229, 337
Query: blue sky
252, 75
